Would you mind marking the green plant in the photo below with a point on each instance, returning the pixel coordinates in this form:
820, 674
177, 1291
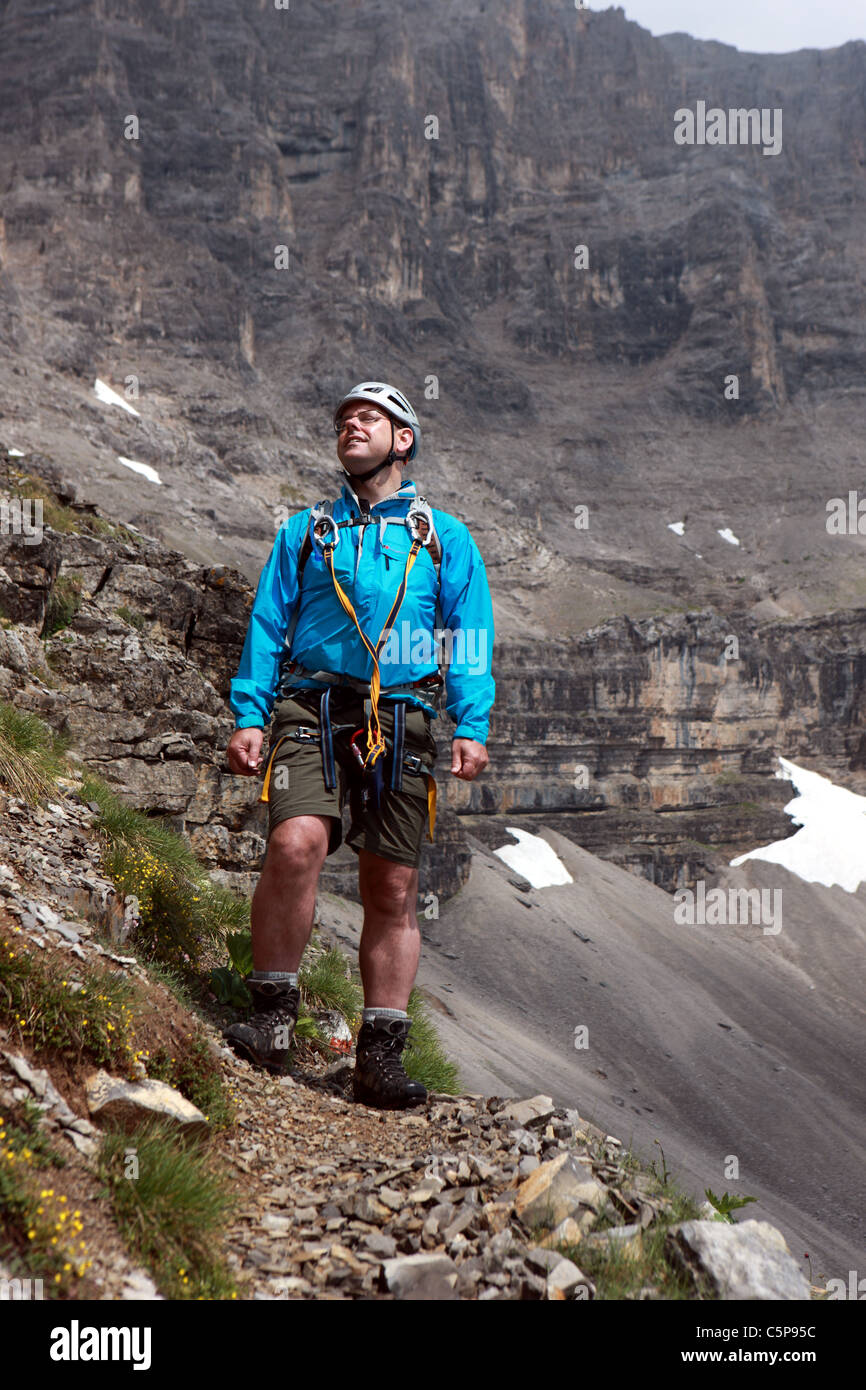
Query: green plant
31, 755
25, 1131
63, 604
40, 1232
229, 988
170, 1207
194, 1072
665, 1176
227, 982
424, 1059
182, 910
726, 1204
134, 619
79, 1010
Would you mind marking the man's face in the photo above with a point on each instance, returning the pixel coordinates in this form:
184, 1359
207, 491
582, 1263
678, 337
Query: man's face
365, 436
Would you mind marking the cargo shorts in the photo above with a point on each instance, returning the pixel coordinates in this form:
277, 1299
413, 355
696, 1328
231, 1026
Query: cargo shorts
296, 785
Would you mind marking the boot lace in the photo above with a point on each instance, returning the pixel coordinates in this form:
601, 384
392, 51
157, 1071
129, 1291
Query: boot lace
278, 1014
271, 1018
387, 1054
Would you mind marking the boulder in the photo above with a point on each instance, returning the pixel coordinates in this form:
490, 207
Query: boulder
556, 1190
130, 1103
748, 1260
428, 1277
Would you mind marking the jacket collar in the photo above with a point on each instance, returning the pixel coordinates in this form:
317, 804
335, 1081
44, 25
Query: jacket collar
406, 490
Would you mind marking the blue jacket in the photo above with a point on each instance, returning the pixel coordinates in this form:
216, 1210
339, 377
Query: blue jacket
370, 572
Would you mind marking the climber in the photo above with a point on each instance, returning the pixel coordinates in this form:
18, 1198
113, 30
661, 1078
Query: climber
341, 648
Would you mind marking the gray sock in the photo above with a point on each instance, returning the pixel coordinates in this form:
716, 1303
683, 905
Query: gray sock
370, 1014
290, 977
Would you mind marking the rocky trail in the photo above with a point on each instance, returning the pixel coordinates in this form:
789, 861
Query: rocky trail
465, 1198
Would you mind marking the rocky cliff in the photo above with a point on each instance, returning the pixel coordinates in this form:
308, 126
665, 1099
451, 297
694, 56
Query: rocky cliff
652, 743
231, 215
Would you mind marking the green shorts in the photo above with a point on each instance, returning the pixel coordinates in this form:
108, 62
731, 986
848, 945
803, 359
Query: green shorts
295, 782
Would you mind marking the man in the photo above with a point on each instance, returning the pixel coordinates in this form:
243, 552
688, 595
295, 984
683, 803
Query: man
353, 691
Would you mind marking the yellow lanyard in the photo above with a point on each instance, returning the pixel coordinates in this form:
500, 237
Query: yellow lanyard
375, 742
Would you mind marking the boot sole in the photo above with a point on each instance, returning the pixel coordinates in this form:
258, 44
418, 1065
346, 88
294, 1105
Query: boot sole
247, 1053
364, 1097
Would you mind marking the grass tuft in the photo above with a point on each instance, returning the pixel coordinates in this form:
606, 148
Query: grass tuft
170, 1206
182, 910
327, 983
424, 1059
31, 755
74, 1009
63, 603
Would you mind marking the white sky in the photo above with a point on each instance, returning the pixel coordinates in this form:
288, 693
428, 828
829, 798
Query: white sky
753, 26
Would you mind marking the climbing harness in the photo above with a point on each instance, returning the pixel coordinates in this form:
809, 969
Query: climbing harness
340, 742
365, 767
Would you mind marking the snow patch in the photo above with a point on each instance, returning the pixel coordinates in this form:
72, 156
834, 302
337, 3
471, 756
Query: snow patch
534, 859
728, 535
105, 393
831, 846
143, 468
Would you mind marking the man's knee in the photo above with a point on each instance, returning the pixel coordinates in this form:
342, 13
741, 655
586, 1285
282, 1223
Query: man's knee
387, 887
299, 844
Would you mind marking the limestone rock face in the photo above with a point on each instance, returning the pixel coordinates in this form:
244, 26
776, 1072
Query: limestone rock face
416, 197
638, 740
252, 202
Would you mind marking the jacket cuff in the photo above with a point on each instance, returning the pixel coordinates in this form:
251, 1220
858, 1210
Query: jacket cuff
466, 731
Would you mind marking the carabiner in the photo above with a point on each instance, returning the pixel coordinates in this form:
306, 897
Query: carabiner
421, 509
320, 520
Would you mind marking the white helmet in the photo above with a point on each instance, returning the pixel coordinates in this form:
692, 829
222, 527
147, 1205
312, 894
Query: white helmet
392, 401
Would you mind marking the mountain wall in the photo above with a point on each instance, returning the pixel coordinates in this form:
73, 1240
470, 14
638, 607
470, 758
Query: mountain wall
232, 214
639, 741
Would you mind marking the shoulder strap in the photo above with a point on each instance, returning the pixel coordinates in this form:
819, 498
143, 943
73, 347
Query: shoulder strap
325, 507
303, 556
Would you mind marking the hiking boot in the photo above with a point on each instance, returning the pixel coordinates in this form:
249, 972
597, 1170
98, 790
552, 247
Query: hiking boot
266, 1036
379, 1076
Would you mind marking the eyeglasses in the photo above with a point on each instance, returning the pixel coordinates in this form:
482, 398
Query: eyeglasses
364, 417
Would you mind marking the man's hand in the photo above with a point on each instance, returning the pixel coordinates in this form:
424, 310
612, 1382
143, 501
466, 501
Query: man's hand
468, 758
244, 752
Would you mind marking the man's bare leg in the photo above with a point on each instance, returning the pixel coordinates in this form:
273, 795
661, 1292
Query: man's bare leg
390, 940
284, 902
